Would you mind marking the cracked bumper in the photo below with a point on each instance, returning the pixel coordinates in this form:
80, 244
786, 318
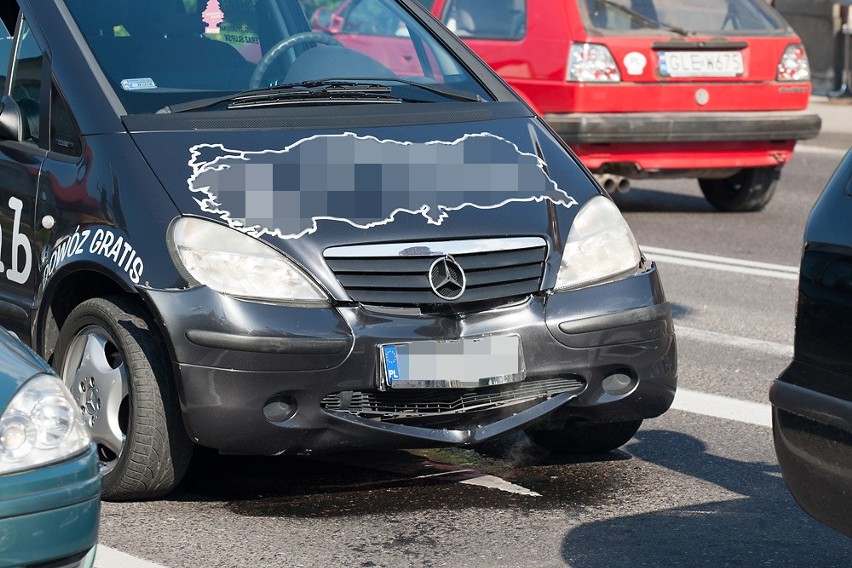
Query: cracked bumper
233, 357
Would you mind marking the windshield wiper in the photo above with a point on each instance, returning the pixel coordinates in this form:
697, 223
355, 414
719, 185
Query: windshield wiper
376, 85
310, 92
442, 90
319, 91
645, 19
315, 92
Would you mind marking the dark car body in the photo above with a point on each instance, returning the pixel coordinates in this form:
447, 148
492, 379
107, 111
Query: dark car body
49, 506
812, 399
412, 231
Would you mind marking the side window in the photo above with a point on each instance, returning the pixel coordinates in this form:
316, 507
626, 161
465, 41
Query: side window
486, 19
64, 134
26, 83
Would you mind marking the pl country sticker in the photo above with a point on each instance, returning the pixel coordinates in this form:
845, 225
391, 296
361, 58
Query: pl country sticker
634, 63
363, 181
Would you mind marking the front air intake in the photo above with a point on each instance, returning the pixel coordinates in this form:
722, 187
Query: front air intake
398, 406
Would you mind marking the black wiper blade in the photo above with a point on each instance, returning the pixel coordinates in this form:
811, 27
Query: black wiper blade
645, 19
367, 90
376, 85
442, 90
308, 91
198, 104
315, 92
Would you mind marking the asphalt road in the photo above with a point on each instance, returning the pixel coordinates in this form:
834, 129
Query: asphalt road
699, 486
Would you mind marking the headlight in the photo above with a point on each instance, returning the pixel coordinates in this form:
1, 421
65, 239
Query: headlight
41, 425
239, 265
600, 247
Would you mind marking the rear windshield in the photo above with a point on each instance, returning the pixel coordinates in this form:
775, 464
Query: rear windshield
486, 19
159, 53
732, 17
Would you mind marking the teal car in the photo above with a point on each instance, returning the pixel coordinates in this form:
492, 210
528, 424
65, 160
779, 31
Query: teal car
50, 481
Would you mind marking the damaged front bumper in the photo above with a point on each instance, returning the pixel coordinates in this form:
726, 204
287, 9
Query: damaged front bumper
261, 378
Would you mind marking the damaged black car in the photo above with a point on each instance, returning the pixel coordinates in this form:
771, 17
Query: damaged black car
225, 228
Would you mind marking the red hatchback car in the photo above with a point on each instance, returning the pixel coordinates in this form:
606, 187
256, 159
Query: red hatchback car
708, 89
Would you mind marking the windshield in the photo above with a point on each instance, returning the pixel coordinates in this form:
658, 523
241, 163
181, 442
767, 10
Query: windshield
717, 17
165, 53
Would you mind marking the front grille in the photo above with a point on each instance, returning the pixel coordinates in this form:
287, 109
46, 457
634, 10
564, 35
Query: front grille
398, 274
411, 404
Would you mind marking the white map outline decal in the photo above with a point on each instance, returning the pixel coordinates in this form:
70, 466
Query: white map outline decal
210, 204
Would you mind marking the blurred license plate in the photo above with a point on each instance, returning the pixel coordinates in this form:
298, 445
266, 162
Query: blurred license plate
701, 63
462, 363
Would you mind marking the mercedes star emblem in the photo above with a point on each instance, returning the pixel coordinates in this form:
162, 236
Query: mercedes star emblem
447, 279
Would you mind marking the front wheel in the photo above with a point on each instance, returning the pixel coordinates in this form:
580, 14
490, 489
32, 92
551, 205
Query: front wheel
750, 189
110, 359
586, 437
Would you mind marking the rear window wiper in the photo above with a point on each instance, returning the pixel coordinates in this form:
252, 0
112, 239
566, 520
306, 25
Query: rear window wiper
319, 91
311, 92
645, 19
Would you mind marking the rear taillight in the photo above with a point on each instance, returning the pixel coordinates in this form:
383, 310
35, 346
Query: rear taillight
794, 64
591, 63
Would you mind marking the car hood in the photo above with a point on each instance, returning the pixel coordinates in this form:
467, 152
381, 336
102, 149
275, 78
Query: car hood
304, 190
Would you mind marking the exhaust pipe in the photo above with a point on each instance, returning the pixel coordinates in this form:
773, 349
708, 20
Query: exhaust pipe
613, 184
607, 182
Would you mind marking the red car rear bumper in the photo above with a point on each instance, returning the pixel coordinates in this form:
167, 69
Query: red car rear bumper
649, 144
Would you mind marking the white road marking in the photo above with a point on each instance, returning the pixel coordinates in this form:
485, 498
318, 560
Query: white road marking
724, 339
725, 407
107, 557
721, 263
443, 473
493, 482
808, 149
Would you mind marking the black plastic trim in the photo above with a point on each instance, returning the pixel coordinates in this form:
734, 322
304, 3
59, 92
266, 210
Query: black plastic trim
467, 436
328, 117
618, 319
591, 128
267, 344
10, 310
719, 45
811, 404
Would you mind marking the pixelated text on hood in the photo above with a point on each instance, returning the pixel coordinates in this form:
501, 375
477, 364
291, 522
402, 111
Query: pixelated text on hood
363, 181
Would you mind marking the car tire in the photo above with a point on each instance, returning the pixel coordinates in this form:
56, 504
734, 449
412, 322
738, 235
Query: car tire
586, 437
750, 189
109, 355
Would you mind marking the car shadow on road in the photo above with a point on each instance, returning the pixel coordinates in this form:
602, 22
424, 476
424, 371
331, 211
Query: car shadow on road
641, 200
763, 527
394, 481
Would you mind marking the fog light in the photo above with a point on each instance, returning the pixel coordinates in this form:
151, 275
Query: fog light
618, 384
280, 408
